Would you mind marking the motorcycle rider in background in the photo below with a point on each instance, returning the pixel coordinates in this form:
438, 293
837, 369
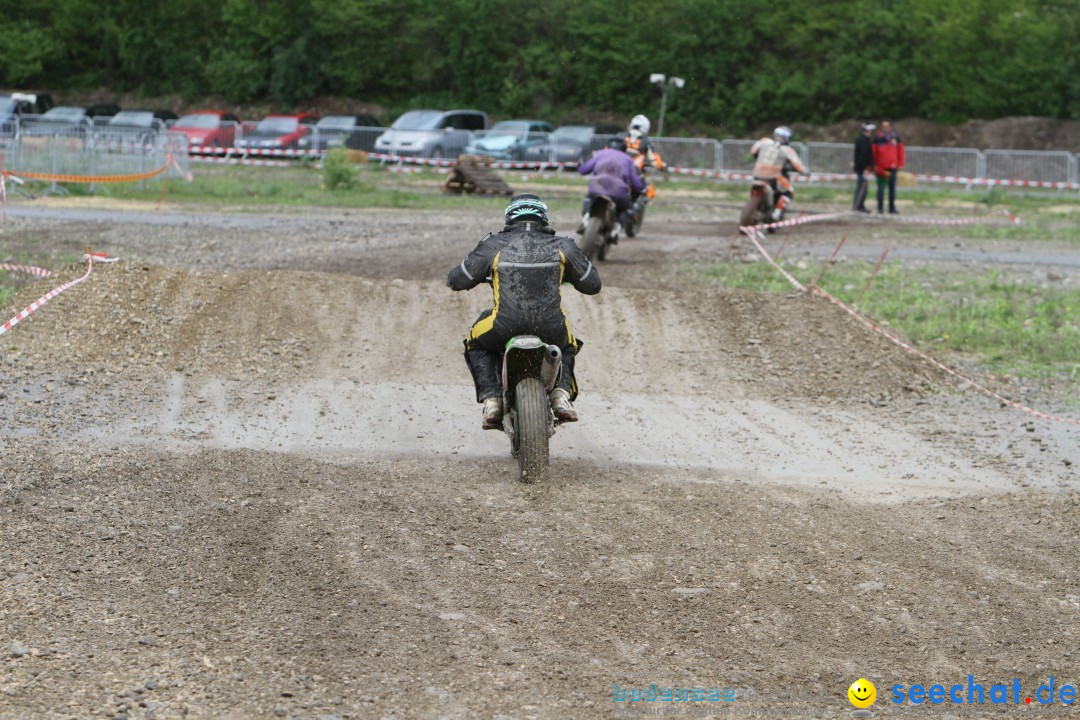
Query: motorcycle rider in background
613, 173
640, 149
637, 143
527, 263
773, 156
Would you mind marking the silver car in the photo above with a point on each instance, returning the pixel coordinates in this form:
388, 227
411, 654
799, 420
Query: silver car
431, 133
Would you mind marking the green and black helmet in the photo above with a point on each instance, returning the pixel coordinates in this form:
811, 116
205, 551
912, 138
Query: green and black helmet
526, 206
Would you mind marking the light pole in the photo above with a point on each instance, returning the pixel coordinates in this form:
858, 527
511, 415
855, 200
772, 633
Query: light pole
664, 82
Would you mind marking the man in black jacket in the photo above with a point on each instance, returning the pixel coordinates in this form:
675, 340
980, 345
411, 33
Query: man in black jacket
864, 165
527, 263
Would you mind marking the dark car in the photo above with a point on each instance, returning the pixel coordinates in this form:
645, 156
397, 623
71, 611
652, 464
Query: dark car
573, 143
278, 132
208, 128
356, 132
100, 113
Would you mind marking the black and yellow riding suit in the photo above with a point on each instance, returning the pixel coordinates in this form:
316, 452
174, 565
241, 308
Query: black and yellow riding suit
527, 263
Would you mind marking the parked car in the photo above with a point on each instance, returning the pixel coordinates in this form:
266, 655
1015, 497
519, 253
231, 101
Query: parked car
139, 125
142, 119
208, 128
68, 119
431, 133
573, 143
278, 132
99, 113
508, 139
350, 131
17, 104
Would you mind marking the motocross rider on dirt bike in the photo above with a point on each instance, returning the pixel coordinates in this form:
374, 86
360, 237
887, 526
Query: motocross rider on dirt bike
774, 155
612, 173
640, 149
527, 263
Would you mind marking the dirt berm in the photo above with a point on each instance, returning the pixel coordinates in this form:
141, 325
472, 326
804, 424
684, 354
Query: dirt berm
266, 494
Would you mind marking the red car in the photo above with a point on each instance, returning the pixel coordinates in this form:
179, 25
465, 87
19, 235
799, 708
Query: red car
278, 132
208, 128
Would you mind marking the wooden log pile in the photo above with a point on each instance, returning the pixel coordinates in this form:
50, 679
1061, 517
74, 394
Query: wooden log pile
470, 175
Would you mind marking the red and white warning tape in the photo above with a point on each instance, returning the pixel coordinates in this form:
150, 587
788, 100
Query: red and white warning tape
384, 158
803, 219
498, 165
800, 220
232, 152
270, 152
239, 161
28, 269
959, 221
845, 177
756, 236
29, 309
992, 182
936, 363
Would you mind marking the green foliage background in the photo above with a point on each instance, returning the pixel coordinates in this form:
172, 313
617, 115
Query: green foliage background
746, 62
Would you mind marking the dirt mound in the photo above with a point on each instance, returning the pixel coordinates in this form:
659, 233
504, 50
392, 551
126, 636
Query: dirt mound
140, 317
130, 318
805, 347
248, 584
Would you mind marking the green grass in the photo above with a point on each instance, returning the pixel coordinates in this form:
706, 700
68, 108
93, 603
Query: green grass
371, 186
301, 185
982, 317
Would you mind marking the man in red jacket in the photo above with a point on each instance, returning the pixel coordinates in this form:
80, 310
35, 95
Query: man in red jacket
888, 160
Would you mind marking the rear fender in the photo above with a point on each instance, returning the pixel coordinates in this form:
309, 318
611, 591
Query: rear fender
603, 207
529, 356
762, 189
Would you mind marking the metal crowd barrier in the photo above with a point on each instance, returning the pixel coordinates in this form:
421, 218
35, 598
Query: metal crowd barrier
93, 146
86, 149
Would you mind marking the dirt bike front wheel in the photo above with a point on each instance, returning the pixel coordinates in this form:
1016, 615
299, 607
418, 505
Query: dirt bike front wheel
532, 421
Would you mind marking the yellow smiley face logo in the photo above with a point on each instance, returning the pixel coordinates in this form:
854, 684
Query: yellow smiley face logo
862, 693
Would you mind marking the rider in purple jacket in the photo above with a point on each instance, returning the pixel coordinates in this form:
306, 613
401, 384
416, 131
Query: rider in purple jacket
614, 174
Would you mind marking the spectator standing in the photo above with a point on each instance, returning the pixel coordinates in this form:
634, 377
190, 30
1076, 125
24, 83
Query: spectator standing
888, 160
864, 164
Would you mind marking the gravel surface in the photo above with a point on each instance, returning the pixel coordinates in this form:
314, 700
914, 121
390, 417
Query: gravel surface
243, 476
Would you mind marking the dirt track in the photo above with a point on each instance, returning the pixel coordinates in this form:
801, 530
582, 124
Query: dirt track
243, 476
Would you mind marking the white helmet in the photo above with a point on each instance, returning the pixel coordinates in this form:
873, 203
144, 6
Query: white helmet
641, 124
782, 134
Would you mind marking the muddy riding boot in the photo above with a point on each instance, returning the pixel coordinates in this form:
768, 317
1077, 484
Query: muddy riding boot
615, 233
493, 412
560, 405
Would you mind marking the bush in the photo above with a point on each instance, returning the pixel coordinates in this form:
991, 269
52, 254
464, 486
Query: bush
338, 171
